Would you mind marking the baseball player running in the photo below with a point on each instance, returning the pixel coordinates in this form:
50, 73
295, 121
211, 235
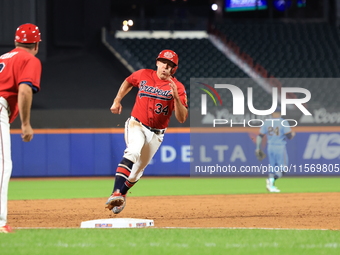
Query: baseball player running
277, 154
20, 73
160, 93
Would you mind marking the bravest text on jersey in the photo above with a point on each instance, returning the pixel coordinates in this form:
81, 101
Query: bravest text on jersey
154, 92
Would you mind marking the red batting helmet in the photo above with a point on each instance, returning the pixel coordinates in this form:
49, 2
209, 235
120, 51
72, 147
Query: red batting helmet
170, 55
27, 33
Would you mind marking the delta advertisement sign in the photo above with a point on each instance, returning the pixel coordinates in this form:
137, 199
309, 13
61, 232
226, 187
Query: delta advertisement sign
233, 154
310, 153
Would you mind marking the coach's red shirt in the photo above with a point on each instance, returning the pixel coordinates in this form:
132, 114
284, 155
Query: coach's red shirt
154, 102
18, 66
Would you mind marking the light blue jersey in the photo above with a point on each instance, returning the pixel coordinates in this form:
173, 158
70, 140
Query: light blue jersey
275, 131
276, 138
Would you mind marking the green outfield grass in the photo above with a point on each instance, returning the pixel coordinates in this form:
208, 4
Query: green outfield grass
92, 188
167, 241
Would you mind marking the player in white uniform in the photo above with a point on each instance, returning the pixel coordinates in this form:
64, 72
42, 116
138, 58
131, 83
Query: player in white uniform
160, 93
277, 135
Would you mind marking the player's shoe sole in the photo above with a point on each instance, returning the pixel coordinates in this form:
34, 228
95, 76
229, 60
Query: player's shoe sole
118, 209
115, 200
6, 229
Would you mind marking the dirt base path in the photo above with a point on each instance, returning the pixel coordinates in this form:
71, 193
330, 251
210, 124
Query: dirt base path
300, 210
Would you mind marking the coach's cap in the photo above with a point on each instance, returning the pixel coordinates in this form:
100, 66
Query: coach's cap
28, 33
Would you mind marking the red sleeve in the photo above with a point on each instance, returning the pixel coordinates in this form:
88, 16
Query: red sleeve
134, 78
31, 72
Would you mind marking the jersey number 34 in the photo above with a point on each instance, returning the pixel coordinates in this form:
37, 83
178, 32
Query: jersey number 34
160, 109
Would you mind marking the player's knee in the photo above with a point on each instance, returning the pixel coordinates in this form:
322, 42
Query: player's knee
132, 155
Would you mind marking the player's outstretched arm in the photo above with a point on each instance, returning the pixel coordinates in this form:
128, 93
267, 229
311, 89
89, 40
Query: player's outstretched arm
25, 97
181, 112
125, 88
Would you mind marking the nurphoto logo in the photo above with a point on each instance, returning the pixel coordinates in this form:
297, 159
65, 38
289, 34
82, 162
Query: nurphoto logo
239, 102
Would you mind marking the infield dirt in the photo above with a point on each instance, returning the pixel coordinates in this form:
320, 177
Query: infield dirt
297, 211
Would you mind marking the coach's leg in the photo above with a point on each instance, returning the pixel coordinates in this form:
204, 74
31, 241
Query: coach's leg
148, 151
5, 163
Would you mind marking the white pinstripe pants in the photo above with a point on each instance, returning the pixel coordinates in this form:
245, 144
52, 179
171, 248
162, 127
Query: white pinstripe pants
5, 159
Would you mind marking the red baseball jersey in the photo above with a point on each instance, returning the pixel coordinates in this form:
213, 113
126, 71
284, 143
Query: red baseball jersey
154, 102
16, 67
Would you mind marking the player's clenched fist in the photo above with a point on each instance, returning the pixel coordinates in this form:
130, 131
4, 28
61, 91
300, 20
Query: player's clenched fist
27, 133
116, 108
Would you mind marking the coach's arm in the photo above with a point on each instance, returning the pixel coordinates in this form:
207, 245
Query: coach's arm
25, 97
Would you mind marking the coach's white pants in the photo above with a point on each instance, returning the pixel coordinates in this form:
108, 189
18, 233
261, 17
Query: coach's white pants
5, 159
141, 146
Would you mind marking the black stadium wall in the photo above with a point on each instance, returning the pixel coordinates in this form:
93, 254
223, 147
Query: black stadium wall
80, 76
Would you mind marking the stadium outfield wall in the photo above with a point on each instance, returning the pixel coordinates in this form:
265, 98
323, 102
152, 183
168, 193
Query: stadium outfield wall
315, 151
